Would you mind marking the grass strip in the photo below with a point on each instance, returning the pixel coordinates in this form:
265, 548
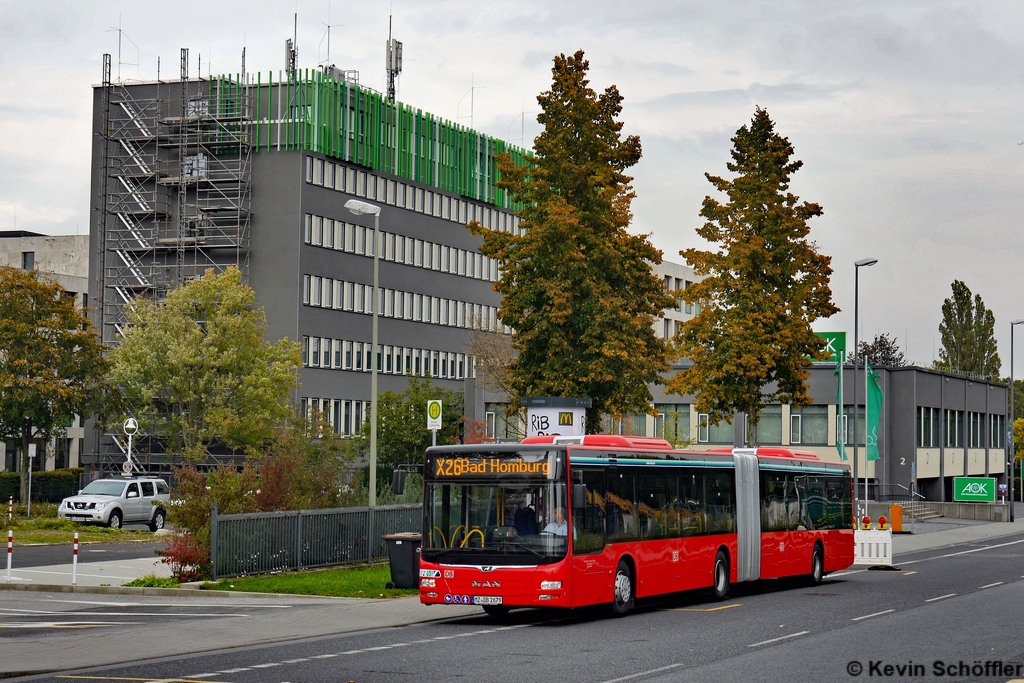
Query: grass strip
45, 527
153, 581
364, 581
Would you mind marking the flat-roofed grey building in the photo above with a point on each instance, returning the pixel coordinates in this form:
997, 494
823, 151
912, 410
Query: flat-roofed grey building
254, 172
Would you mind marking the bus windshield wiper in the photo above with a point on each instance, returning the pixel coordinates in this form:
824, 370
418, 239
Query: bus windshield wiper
523, 545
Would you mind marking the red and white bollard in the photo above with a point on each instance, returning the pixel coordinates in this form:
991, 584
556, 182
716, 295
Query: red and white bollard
74, 563
10, 508
10, 551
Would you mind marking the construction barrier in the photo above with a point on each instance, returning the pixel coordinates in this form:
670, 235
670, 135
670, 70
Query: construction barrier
872, 547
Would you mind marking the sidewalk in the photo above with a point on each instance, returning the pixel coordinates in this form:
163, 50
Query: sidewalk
944, 531
106, 573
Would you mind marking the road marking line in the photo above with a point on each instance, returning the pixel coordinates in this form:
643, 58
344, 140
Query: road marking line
146, 680
908, 573
296, 661
160, 604
997, 583
234, 671
775, 640
323, 656
963, 552
853, 571
201, 675
644, 673
351, 652
27, 612
941, 597
265, 666
67, 624
698, 609
876, 614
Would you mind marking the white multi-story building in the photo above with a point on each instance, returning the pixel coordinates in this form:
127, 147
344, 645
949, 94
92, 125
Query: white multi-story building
65, 260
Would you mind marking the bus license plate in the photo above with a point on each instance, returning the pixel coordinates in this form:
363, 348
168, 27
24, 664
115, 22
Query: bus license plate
486, 599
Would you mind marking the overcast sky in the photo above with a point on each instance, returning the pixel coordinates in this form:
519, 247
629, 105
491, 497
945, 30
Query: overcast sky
907, 115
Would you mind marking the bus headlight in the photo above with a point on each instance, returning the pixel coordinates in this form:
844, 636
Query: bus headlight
550, 585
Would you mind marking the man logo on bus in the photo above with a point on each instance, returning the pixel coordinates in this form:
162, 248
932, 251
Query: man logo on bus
565, 419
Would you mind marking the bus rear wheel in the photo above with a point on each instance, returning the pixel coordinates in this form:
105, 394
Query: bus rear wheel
623, 588
817, 566
720, 587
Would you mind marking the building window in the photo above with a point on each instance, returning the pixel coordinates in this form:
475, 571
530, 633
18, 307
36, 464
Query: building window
318, 177
28, 260
769, 427
308, 230
673, 422
305, 351
329, 178
997, 431
810, 427
305, 289
928, 427
309, 169
975, 430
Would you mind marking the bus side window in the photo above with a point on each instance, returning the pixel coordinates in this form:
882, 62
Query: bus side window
687, 507
652, 505
589, 522
721, 501
620, 504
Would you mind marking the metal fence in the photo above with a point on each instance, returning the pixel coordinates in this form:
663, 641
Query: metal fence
267, 542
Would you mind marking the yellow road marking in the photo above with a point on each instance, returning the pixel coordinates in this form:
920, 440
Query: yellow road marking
710, 609
146, 680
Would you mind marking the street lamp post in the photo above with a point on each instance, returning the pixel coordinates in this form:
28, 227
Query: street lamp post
856, 349
1013, 441
363, 209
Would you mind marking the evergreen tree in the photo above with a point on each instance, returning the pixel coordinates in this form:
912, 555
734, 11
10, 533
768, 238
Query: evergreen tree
51, 363
883, 350
968, 335
762, 289
577, 288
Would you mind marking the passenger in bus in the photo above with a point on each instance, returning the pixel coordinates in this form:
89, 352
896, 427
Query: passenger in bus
525, 521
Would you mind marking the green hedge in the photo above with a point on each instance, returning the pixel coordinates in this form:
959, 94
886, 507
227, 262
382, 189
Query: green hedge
48, 487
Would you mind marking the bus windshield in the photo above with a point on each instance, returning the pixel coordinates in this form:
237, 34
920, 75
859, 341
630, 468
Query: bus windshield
495, 508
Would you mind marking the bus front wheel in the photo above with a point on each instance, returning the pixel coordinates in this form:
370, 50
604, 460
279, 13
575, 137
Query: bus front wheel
624, 590
720, 588
496, 611
817, 566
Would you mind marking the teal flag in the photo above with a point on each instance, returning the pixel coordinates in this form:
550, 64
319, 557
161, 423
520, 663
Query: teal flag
874, 413
840, 436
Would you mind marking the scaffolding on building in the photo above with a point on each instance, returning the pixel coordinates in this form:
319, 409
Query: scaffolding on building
175, 192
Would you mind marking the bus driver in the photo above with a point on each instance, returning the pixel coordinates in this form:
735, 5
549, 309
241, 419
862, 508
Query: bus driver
557, 525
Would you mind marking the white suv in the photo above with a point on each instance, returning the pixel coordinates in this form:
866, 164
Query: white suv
114, 502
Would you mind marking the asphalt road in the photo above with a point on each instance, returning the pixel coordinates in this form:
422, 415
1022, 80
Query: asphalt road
956, 604
45, 555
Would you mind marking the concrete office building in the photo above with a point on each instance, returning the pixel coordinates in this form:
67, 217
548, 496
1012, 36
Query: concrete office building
254, 172
63, 259
934, 425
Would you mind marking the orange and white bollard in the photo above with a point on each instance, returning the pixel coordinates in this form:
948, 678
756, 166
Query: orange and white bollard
74, 563
10, 551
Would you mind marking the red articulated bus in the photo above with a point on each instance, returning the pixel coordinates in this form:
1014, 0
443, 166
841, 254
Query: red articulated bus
575, 521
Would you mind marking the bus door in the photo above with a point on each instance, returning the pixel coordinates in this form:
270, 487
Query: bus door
591, 573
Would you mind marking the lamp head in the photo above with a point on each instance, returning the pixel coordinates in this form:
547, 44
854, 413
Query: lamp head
870, 261
362, 208
1017, 322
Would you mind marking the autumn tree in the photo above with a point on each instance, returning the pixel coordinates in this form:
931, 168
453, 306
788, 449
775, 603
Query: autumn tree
197, 372
764, 286
882, 350
51, 362
968, 335
577, 288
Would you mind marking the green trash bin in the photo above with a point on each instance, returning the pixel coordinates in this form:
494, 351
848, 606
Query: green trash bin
404, 558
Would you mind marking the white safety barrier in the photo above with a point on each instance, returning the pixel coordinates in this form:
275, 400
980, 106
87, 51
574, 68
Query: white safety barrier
872, 547
74, 563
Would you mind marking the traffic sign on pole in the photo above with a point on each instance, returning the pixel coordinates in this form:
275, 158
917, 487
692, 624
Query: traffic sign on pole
433, 415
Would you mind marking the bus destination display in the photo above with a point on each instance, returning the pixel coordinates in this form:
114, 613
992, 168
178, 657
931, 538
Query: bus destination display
462, 467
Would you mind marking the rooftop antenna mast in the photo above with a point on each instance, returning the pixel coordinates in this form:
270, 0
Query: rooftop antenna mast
393, 62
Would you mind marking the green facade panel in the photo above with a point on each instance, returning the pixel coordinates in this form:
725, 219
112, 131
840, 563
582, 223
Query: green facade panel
312, 111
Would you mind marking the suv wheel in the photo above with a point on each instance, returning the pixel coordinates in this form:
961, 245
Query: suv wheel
158, 521
114, 522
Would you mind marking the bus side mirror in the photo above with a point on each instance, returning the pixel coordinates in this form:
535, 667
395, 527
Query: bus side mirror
579, 497
398, 482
